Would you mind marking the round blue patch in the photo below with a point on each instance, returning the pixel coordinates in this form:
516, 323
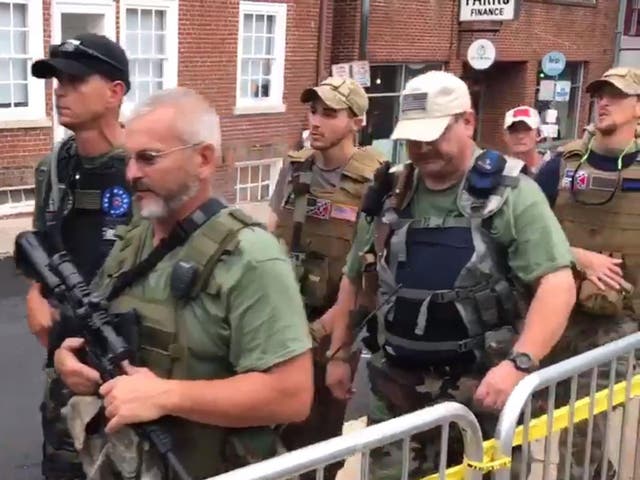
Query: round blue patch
116, 202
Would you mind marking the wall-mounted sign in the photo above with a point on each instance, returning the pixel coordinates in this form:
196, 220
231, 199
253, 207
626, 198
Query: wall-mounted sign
547, 90
359, 71
481, 54
341, 70
553, 63
478, 10
563, 91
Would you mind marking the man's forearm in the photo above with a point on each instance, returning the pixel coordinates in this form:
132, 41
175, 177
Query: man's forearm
245, 400
339, 315
548, 314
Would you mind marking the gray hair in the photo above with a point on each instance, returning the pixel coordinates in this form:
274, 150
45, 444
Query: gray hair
197, 120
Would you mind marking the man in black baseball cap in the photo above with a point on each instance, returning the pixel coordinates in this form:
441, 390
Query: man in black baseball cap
81, 197
85, 55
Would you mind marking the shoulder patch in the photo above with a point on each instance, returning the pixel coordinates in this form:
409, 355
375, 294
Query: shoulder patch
300, 155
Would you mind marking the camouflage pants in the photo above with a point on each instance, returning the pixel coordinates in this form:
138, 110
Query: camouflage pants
396, 392
585, 333
327, 413
60, 459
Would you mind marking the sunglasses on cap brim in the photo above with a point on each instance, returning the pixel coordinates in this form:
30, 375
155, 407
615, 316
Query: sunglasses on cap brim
74, 46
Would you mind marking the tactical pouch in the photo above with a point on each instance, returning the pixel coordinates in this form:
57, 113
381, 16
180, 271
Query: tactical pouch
398, 388
498, 344
315, 279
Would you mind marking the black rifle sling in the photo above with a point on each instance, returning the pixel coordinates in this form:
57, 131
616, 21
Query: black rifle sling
178, 236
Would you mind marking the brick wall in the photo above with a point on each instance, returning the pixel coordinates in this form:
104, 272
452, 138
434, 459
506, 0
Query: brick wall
405, 31
21, 148
208, 37
399, 31
208, 45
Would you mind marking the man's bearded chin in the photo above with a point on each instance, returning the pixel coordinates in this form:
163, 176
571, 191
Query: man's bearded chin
157, 207
153, 208
606, 129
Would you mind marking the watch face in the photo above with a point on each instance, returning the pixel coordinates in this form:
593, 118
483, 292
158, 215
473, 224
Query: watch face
523, 362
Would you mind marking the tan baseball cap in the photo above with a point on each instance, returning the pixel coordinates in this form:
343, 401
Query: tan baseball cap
339, 93
625, 78
428, 103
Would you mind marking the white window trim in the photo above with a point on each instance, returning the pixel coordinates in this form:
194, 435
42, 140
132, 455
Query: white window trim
276, 165
36, 111
172, 8
275, 103
20, 207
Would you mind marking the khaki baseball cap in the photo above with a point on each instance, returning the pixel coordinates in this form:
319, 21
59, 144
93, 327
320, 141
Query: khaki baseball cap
625, 78
339, 93
427, 105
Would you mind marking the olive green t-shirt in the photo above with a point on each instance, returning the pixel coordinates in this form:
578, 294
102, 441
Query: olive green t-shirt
250, 316
525, 225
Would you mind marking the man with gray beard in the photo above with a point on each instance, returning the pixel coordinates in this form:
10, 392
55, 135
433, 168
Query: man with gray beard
223, 347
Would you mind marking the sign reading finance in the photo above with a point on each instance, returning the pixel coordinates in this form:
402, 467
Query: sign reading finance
479, 10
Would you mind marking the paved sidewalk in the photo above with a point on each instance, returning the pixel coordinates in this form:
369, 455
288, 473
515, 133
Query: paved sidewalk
9, 228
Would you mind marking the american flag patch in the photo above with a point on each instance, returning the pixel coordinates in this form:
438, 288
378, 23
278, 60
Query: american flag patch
344, 212
566, 179
414, 102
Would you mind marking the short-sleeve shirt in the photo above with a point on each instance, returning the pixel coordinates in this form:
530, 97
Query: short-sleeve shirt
321, 179
525, 225
254, 317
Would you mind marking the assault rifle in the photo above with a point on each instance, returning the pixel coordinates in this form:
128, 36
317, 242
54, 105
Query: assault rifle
105, 348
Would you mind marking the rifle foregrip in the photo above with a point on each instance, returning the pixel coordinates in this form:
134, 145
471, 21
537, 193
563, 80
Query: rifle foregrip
32, 260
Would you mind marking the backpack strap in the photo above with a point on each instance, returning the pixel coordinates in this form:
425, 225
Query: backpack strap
219, 236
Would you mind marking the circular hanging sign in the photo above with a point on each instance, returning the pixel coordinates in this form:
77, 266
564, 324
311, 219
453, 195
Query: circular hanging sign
481, 54
553, 63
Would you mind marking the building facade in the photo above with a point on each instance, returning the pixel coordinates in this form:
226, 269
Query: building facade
252, 59
405, 38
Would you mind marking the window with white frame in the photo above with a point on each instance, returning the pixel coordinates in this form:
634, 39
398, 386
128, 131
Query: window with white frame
256, 180
387, 83
21, 95
149, 35
261, 52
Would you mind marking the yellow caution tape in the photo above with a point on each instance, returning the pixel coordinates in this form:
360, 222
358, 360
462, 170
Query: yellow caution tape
538, 429
487, 466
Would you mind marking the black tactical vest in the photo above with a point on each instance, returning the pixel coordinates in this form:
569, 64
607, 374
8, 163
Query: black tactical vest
94, 199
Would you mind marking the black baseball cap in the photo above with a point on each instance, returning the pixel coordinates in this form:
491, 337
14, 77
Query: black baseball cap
85, 55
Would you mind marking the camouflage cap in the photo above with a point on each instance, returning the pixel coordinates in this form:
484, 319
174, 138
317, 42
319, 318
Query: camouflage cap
339, 93
623, 78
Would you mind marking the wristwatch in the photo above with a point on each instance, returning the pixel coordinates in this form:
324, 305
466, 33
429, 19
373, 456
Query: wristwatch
522, 361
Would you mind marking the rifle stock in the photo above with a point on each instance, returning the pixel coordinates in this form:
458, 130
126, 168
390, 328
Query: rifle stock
106, 350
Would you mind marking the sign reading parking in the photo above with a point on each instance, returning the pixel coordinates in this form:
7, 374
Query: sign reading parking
478, 10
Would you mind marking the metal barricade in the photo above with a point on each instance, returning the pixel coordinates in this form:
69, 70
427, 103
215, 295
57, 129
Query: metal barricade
317, 456
616, 360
